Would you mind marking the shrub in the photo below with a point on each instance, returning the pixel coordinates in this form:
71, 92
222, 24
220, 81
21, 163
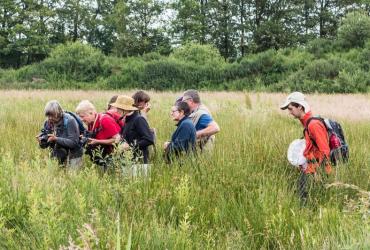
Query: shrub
352, 82
198, 54
319, 47
363, 58
72, 61
163, 74
326, 69
354, 30
295, 59
125, 73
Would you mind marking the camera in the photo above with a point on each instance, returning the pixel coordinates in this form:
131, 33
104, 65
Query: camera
86, 136
43, 137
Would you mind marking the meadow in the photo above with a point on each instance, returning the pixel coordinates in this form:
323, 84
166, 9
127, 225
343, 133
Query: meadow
243, 196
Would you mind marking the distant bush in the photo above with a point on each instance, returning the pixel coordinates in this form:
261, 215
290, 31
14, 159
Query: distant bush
319, 47
265, 68
327, 76
357, 81
198, 54
316, 68
354, 30
73, 61
125, 73
363, 58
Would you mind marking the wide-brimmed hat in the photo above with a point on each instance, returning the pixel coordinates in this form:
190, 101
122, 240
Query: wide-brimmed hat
296, 97
124, 102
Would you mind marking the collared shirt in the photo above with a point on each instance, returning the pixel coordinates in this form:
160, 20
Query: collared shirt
201, 117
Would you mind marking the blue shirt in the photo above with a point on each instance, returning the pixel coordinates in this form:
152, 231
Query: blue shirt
183, 139
203, 122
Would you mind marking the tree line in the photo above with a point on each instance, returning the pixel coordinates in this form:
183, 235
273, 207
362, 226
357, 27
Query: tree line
30, 29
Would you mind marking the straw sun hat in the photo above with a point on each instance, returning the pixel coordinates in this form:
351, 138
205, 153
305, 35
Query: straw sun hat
125, 103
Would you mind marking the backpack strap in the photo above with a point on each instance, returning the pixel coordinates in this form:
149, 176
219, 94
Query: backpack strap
116, 120
318, 118
312, 140
78, 120
65, 121
98, 129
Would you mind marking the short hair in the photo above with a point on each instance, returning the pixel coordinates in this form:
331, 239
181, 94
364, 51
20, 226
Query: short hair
183, 106
85, 107
140, 96
53, 108
112, 100
297, 105
178, 99
191, 94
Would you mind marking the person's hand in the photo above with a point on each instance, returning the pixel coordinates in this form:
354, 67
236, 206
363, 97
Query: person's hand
147, 107
52, 138
303, 167
199, 134
165, 145
125, 146
38, 138
92, 141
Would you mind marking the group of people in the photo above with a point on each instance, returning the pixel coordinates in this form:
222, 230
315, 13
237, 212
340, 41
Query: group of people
124, 126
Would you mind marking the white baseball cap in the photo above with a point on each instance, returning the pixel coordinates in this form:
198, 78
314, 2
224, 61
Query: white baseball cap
296, 97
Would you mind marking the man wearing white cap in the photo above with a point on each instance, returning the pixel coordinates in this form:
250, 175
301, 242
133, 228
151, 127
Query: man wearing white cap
317, 151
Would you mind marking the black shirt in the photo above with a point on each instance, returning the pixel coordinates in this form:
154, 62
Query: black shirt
137, 134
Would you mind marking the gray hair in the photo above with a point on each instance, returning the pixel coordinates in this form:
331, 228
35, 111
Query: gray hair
85, 107
53, 108
191, 94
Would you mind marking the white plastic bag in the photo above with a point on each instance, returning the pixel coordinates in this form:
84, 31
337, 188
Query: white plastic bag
295, 153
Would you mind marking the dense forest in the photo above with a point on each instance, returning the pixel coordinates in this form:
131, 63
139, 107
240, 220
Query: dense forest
270, 45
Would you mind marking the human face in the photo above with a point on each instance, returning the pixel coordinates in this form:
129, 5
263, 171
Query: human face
141, 105
53, 118
176, 114
191, 103
88, 117
296, 112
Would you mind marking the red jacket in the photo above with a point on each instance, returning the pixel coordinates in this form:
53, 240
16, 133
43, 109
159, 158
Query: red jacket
318, 154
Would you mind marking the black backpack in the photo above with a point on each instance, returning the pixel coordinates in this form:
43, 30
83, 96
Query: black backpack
339, 150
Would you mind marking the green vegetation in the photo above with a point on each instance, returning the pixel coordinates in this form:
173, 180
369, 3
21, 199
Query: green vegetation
241, 198
315, 69
337, 64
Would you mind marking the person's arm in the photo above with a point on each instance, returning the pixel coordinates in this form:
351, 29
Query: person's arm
211, 129
115, 139
110, 129
319, 135
145, 135
73, 136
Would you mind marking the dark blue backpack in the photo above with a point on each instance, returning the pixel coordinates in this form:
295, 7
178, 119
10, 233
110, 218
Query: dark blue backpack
78, 120
338, 146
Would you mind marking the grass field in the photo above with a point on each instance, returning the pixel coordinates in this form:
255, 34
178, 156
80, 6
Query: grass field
243, 197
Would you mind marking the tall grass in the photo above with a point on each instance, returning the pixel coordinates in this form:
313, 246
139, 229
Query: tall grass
241, 197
